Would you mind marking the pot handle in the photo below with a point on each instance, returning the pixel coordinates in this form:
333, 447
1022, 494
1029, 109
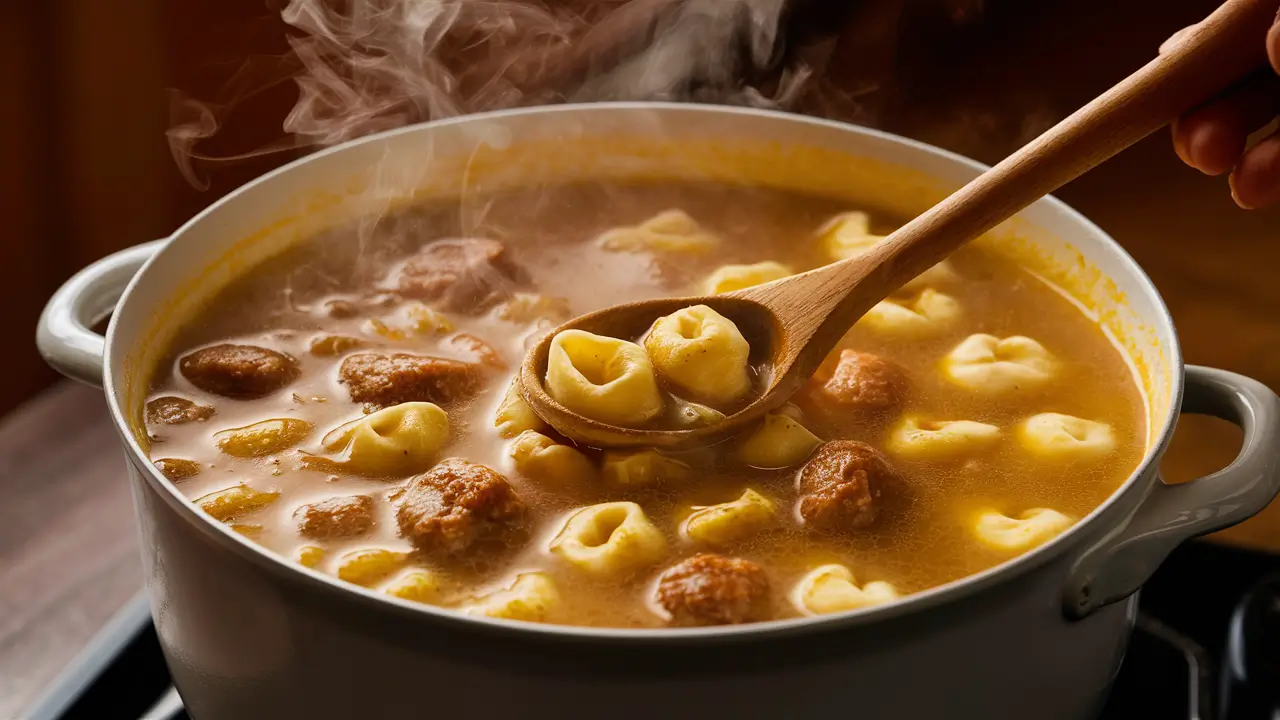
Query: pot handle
65, 334
1120, 563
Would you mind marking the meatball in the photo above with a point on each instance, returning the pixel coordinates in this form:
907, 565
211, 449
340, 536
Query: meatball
337, 517
863, 381
239, 371
462, 275
840, 486
709, 589
385, 380
457, 505
171, 410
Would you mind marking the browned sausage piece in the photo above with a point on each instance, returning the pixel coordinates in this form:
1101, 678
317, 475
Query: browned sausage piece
337, 517
460, 275
239, 371
458, 504
840, 486
863, 381
171, 410
386, 380
709, 589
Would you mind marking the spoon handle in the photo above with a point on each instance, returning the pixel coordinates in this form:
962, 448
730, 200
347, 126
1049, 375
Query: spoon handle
1211, 57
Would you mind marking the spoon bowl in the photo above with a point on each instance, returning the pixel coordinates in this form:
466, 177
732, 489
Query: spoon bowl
757, 323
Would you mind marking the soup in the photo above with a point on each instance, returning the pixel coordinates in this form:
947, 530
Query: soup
348, 404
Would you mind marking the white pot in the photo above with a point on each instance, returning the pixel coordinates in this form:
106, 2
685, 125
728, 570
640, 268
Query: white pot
248, 633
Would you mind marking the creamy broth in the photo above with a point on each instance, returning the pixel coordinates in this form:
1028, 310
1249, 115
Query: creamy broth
923, 536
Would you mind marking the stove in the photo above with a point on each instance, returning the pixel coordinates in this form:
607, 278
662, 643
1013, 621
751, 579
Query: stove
1206, 647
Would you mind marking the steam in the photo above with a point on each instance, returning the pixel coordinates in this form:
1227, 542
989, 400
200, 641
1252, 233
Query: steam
363, 66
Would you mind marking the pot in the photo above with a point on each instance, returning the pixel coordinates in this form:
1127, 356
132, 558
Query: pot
250, 634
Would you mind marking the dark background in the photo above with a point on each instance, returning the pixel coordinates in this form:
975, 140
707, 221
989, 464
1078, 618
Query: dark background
85, 168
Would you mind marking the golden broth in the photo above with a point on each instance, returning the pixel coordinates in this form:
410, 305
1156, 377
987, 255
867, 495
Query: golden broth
924, 539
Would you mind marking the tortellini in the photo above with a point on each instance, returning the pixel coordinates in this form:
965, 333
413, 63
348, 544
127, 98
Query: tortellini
927, 312
400, 440
780, 441
514, 415
414, 319
262, 438
1059, 436
642, 468
524, 307
538, 457
177, 468
670, 231
235, 501
727, 278
1031, 528
722, 524
333, 345
686, 414
416, 586
832, 589
531, 598
369, 566
609, 539
310, 555
988, 364
602, 378
849, 235
939, 440
701, 352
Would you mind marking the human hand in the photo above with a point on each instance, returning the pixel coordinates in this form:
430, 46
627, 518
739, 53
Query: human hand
1212, 138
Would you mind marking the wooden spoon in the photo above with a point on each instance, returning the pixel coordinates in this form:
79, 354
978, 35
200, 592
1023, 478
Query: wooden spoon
793, 324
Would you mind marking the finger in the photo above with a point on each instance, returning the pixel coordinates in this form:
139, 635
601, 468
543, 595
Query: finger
1256, 180
1179, 138
1180, 143
1212, 138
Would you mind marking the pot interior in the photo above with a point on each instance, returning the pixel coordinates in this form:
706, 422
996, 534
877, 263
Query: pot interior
480, 155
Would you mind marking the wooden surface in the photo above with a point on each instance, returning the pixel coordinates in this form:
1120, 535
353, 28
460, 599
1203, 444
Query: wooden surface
68, 552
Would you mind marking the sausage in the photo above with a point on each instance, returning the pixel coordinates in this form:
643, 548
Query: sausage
337, 517
457, 505
863, 381
239, 371
841, 485
171, 410
460, 275
709, 589
385, 380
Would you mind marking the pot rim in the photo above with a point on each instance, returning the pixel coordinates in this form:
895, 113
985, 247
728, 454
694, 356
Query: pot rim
374, 601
